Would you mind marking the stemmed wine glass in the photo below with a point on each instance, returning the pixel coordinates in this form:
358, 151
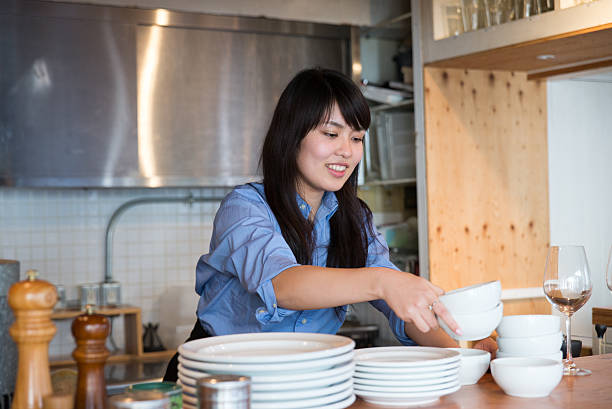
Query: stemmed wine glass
567, 285
609, 270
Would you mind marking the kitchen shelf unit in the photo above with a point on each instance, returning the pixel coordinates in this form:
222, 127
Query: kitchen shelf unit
133, 334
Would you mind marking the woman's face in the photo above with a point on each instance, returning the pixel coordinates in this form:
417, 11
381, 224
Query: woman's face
327, 157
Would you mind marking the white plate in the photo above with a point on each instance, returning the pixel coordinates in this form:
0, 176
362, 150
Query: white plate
338, 405
454, 370
278, 379
276, 368
405, 357
288, 395
406, 389
406, 383
334, 398
420, 370
321, 380
404, 399
265, 347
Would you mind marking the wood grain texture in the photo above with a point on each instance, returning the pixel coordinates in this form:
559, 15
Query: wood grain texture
487, 179
569, 49
602, 315
584, 392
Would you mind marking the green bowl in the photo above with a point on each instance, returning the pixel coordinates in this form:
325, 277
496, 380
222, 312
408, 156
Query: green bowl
173, 391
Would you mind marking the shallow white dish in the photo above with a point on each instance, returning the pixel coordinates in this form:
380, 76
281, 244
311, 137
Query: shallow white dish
332, 399
474, 298
527, 377
404, 357
319, 379
406, 371
273, 379
405, 399
337, 405
285, 395
474, 364
555, 356
405, 389
453, 369
275, 368
477, 325
512, 326
265, 347
528, 346
407, 383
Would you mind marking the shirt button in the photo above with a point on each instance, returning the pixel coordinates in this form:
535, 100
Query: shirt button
302, 206
274, 305
304, 320
261, 311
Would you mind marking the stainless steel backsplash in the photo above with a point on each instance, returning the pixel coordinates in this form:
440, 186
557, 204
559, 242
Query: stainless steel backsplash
94, 96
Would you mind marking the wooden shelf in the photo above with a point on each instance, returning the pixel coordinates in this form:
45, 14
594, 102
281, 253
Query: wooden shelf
393, 182
132, 323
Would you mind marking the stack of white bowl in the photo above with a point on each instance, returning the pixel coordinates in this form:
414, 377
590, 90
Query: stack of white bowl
287, 370
405, 376
530, 336
477, 309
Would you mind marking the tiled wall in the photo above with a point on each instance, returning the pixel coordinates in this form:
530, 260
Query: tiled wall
60, 233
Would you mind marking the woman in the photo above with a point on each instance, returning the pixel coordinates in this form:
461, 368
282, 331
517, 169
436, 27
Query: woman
290, 254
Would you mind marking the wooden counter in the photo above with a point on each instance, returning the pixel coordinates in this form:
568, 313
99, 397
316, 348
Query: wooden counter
582, 392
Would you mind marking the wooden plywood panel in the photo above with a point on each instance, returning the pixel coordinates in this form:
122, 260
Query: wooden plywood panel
487, 180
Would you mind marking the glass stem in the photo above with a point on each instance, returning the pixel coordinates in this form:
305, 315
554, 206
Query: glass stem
568, 339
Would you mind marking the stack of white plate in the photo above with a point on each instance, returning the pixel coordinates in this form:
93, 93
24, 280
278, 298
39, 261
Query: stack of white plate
287, 370
405, 376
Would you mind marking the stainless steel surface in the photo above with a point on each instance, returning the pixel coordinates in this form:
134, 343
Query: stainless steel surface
107, 96
9, 274
110, 227
61, 297
224, 392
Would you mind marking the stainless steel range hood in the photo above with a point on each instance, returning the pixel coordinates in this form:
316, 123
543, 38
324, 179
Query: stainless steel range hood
96, 96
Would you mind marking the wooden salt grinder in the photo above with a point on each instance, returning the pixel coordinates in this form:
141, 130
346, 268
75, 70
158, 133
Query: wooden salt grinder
32, 302
90, 331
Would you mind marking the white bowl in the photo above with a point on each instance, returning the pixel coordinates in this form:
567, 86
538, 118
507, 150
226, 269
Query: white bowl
555, 356
472, 299
477, 325
527, 377
513, 326
544, 344
474, 364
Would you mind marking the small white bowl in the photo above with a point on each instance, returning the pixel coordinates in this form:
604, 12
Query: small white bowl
474, 364
472, 299
514, 326
527, 346
477, 325
527, 377
555, 356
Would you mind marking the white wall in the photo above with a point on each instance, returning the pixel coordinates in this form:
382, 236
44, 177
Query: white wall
354, 12
580, 179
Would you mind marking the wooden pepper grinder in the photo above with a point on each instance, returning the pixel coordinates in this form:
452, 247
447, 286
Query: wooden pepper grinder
90, 331
32, 302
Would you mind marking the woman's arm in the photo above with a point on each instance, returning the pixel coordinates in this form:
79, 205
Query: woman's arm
409, 296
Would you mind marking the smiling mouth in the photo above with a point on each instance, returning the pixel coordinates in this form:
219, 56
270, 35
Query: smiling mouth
337, 168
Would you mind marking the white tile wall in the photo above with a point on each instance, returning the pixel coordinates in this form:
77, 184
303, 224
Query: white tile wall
60, 233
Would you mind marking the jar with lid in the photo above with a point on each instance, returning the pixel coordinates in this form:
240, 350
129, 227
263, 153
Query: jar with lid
224, 392
140, 400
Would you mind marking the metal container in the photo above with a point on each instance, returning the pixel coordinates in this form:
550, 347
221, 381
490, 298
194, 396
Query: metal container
61, 297
89, 294
224, 392
9, 274
110, 293
139, 400
173, 391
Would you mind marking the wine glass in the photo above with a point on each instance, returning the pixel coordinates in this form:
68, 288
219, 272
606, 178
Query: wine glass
567, 285
609, 270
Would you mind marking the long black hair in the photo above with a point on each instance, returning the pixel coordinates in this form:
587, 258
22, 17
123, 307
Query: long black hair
306, 102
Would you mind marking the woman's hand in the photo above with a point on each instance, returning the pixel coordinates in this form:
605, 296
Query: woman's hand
487, 344
415, 300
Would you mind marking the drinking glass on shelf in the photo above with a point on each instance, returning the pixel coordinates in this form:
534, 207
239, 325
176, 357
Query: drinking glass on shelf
567, 285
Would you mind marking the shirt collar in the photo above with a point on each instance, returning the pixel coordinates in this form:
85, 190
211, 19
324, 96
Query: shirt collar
329, 205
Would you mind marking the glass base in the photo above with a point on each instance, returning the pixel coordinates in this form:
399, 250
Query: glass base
573, 371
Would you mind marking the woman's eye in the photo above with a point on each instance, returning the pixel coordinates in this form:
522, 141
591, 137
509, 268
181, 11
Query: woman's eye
330, 134
358, 139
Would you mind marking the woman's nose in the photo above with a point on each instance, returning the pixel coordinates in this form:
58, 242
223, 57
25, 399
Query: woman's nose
344, 149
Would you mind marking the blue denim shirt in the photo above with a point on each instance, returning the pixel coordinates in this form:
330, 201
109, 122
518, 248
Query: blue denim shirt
247, 250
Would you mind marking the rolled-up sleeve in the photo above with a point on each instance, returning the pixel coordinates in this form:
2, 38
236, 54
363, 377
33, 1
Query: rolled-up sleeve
378, 256
247, 246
